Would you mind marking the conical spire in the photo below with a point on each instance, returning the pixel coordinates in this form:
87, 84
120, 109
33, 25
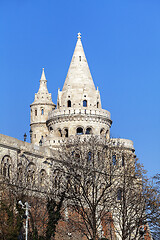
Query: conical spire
79, 85
43, 83
79, 75
43, 95
43, 77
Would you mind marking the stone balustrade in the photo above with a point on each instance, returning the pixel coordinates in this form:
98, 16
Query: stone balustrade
72, 111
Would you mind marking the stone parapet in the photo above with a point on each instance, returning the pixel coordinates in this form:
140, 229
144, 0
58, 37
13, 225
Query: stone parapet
120, 142
21, 146
72, 111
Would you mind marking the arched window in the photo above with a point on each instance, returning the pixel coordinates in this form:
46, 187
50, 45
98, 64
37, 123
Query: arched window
69, 103
42, 111
31, 174
66, 132
19, 173
88, 131
84, 103
97, 104
42, 177
35, 112
80, 58
6, 166
114, 160
79, 131
119, 194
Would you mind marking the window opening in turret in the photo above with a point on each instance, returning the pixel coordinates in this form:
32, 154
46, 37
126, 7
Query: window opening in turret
69, 103
114, 160
84, 103
42, 111
102, 131
119, 194
66, 132
59, 133
80, 58
88, 131
79, 131
97, 104
35, 112
123, 160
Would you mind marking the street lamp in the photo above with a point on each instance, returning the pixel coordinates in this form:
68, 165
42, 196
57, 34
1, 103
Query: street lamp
31, 135
25, 137
26, 207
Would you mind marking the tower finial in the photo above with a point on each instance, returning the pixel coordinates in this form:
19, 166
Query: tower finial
43, 75
79, 35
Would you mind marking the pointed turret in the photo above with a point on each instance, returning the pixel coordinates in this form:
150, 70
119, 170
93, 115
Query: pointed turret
40, 108
79, 75
79, 85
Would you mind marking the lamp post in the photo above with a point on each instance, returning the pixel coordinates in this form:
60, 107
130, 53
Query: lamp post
31, 135
25, 137
26, 207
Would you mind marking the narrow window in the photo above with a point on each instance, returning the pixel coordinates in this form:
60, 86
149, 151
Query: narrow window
79, 131
89, 156
42, 111
88, 131
84, 103
123, 160
35, 112
119, 194
66, 132
69, 103
114, 160
80, 58
97, 104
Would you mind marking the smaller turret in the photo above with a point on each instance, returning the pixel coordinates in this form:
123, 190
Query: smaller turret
40, 108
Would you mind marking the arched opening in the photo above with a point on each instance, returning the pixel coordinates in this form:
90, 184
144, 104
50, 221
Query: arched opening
69, 103
66, 132
19, 173
88, 131
42, 177
79, 131
42, 111
114, 160
35, 112
6, 166
31, 174
84, 103
119, 194
97, 104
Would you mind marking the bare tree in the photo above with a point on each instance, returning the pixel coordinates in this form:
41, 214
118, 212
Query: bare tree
108, 193
87, 164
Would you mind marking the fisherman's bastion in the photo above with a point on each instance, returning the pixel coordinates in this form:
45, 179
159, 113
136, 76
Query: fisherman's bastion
78, 112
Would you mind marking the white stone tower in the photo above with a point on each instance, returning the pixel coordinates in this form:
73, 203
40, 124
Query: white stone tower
40, 108
79, 110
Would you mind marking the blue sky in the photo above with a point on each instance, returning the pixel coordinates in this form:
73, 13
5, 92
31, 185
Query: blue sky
121, 39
